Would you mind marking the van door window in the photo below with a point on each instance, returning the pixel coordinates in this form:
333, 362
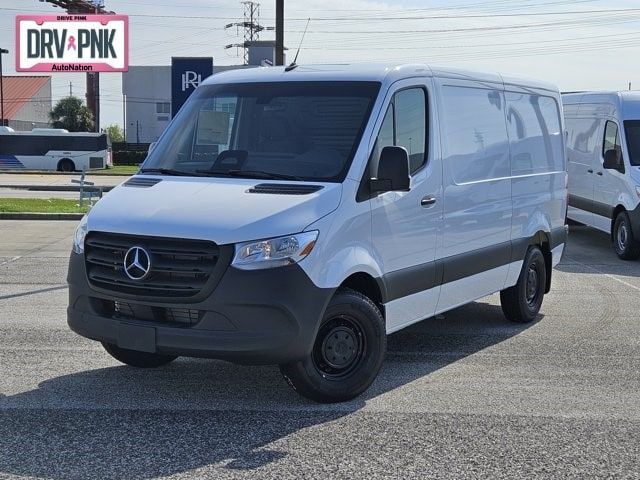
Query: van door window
410, 114
632, 132
404, 125
386, 138
611, 138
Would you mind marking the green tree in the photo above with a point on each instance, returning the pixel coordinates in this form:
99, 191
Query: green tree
115, 133
72, 114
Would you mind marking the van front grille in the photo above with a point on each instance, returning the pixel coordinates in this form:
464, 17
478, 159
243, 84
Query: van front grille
178, 268
186, 317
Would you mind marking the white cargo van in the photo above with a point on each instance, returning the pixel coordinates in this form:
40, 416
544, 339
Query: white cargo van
295, 217
603, 150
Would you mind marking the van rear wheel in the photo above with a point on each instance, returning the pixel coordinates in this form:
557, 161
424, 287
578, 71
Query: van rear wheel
347, 353
521, 303
137, 359
626, 245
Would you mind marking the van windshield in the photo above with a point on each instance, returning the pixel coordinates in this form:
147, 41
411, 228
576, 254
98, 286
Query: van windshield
289, 130
632, 132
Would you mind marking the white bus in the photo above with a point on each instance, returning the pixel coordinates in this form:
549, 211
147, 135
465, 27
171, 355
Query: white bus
53, 149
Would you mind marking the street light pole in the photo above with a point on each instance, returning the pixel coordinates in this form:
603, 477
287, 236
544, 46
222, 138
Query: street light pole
2, 52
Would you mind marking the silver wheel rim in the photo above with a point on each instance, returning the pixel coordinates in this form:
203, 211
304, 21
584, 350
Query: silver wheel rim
622, 237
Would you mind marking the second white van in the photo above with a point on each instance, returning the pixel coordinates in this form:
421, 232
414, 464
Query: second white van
603, 148
297, 216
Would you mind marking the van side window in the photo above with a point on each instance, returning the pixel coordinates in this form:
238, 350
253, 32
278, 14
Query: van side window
404, 125
535, 138
611, 138
474, 141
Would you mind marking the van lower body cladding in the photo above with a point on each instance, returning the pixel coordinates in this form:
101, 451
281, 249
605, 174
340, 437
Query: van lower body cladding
252, 316
462, 278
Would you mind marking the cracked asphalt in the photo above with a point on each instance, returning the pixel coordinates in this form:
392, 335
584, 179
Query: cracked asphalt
464, 395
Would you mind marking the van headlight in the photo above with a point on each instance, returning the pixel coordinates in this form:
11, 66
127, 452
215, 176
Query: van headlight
78, 237
274, 252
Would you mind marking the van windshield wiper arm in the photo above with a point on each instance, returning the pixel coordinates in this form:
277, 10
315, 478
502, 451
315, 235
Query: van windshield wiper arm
248, 174
169, 171
262, 174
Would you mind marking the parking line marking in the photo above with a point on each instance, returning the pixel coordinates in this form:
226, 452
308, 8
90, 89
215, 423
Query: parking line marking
608, 275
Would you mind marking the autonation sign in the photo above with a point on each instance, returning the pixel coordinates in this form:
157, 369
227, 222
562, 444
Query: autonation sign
72, 43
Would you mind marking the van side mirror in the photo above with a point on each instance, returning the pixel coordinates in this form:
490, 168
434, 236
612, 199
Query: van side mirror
152, 145
393, 171
613, 160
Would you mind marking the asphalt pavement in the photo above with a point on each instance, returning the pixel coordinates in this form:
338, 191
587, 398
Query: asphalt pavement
464, 395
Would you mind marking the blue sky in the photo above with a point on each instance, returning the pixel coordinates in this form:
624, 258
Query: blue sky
564, 42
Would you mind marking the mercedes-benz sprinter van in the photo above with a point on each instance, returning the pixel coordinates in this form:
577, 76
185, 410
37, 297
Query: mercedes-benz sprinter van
603, 149
297, 216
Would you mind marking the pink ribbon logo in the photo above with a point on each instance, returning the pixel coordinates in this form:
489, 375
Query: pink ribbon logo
72, 43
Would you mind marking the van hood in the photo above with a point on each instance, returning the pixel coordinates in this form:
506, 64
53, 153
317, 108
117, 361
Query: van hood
221, 210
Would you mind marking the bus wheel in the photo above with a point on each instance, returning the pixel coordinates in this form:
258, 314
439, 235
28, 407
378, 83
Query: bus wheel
66, 165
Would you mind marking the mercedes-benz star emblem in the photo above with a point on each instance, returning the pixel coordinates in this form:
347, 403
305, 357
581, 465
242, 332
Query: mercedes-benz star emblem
137, 263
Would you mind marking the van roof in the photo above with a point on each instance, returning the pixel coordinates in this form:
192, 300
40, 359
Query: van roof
627, 102
600, 95
376, 72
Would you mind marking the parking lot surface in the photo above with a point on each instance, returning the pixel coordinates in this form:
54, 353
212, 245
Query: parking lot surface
463, 395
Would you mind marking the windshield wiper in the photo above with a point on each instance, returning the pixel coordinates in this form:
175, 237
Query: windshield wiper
262, 174
169, 171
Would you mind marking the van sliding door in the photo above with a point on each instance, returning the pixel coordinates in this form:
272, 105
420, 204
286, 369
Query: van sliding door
475, 251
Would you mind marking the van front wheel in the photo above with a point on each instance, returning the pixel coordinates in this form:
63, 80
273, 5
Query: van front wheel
347, 353
626, 245
521, 303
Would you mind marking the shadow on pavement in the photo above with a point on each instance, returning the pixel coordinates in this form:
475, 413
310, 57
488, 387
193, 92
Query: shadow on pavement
120, 422
591, 252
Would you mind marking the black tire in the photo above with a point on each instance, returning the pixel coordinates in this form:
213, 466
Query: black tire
521, 303
625, 244
66, 165
347, 354
137, 359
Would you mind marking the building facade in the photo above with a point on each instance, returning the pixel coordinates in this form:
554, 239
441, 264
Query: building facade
147, 95
27, 101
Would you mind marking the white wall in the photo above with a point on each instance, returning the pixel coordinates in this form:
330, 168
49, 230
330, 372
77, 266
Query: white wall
144, 86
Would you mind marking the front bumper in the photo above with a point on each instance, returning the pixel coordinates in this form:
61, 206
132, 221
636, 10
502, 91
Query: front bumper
253, 317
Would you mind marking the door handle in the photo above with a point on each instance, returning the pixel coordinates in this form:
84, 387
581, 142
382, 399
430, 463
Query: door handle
427, 200
599, 173
590, 171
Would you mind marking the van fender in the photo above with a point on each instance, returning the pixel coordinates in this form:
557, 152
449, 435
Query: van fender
632, 207
539, 231
331, 272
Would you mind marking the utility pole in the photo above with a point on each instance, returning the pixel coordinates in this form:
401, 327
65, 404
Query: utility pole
279, 32
71, 89
2, 120
251, 25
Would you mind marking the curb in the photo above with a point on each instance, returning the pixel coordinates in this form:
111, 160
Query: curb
40, 216
51, 172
